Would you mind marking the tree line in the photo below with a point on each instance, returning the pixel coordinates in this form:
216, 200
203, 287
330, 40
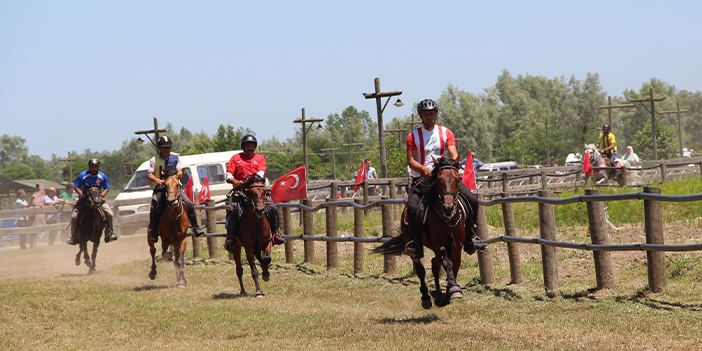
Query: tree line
524, 118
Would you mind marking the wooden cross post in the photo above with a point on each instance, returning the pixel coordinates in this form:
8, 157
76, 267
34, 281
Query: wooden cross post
350, 146
70, 160
678, 111
381, 133
653, 119
155, 131
305, 130
333, 160
399, 135
609, 108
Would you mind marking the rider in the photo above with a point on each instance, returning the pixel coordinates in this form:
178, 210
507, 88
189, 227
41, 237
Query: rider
609, 144
239, 167
423, 145
158, 164
85, 179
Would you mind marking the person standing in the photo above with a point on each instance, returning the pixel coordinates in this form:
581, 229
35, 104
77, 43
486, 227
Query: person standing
158, 164
371, 174
69, 196
52, 218
23, 221
424, 144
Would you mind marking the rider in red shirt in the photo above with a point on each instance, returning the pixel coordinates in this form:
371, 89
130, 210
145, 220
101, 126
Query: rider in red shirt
240, 166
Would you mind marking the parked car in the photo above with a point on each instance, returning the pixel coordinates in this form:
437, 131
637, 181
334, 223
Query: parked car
574, 159
499, 166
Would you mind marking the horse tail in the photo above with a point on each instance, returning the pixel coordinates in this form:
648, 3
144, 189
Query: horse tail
395, 246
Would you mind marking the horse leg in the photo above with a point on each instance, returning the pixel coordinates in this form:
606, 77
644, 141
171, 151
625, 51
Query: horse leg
236, 251
266, 264
86, 257
254, 271
421, 274
179, 263
94, 256
81, 249
152, 249
453, 290
439, 298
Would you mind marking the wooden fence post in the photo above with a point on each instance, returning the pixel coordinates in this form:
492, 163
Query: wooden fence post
212, 242
515, 260
544, 181
197, 243
389, 261
599, 236
308, 230
664, 170
700, 167
485, 263
287, 230
357, 246
505, 185
365, 195
330, 211
344, 209
653, 211
547, 228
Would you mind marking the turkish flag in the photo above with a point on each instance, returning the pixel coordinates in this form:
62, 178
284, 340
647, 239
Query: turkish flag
205, 191
189, 189
586, 163
361, 175
469, 172
292, 186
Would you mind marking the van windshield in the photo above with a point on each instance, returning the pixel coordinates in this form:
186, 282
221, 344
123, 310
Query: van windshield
138, 181
214, 172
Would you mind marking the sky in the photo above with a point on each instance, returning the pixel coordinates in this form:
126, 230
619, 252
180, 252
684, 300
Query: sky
78, 75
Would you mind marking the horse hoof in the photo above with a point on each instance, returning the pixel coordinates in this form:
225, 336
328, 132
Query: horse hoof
91, 270
266, 276
77, 261
89, 263
457, 295
426, 304
152, 275
259, 294
181, 284
243, 293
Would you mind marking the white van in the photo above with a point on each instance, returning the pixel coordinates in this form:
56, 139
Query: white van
211, 165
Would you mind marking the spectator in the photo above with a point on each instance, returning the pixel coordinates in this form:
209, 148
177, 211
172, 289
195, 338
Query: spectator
630, 156
52, 218
476, 163
23, 221
371, 174
69, 196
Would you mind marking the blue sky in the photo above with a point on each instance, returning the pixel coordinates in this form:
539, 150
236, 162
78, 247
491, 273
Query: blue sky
67, 67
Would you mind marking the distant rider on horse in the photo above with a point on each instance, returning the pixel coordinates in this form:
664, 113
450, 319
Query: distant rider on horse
608, 144
157, 165
86, 179
241, 165
424, 144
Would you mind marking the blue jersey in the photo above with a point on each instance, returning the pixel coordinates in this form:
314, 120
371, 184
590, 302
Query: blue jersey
85, 179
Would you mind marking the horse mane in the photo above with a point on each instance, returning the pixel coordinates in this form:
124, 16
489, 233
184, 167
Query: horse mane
250, 180
170, 172
444, 162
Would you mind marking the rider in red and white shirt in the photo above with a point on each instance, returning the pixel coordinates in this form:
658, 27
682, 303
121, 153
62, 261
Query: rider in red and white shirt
238, 168
424, 144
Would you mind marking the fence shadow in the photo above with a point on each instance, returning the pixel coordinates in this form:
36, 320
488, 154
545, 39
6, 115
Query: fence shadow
228, 296
150, 287
414, 320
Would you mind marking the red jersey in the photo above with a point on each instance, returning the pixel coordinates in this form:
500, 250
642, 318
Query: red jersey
242, 164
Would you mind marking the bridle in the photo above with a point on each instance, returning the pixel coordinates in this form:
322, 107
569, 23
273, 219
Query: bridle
441, 197
177, 203
251, 200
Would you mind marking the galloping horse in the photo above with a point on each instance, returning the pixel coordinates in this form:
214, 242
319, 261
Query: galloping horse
173, 228
597, 162
443, 232
255, 233
91, 223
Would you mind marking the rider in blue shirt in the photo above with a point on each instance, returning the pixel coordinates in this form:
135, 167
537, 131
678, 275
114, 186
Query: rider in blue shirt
85, 179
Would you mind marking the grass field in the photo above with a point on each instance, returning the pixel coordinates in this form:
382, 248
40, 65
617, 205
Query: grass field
48, 303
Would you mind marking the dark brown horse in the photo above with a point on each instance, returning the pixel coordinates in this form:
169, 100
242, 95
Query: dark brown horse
255, 234
173, 229
443, 232
91, 223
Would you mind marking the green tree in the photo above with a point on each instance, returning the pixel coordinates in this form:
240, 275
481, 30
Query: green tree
666, 143
16, 172
12, 150
468, 118
352, 126
227, 138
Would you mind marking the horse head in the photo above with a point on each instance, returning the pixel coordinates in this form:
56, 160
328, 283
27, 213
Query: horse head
446, 185
256, 193
172, 187
94, 196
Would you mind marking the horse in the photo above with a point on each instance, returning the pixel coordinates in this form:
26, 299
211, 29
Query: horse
443, 232
255, 234
91, 223
596, 162
172, 228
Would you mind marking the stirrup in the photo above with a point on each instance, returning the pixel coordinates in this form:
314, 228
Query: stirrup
411, 249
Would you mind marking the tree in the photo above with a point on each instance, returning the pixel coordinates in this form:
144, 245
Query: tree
228, 139
352, 126
467, 117
12, 151
16, 172
666, 143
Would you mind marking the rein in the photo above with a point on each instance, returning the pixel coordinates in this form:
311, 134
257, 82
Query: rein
179, 202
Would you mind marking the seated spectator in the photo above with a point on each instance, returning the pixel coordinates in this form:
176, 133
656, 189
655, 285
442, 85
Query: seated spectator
630, 156
69, 196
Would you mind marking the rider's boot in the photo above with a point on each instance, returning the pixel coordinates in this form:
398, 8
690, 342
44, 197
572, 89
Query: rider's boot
469, 246
277, 239
73, 240
272, 216
232, 231
192, 217
414, 247
110, 235
152, 233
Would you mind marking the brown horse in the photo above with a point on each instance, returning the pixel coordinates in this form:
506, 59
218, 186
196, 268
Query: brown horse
173, 229
443, 232
91, 223
255, 234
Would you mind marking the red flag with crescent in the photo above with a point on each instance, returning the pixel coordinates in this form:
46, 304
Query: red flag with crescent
361, 176
205, 191
292, 186
189, 189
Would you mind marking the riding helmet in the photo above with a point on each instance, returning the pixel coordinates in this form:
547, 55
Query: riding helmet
606, 127
248, 138
427, 105
94, 162
164, 141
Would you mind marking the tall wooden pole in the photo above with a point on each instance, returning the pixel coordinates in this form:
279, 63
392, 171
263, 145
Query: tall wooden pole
609, 108
304, 135
70, 160
678, 111
381, 133
333, 161
652, 100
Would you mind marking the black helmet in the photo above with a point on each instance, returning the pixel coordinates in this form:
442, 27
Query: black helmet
94, 162
606, 127
248, 138
427, 105
164, 141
